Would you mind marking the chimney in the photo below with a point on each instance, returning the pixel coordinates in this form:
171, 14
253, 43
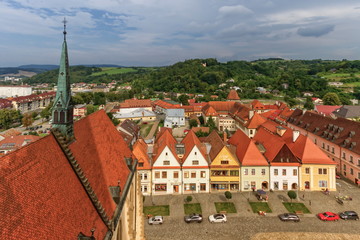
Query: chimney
225, 137
251, 114
296, 134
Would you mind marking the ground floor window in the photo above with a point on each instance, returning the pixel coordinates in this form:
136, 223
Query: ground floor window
276, 185
307, 185
322, 183
190, 186
160, 187
253, 185
285, 185
144, 188
234, 186
202, 186
246, 185
220, 186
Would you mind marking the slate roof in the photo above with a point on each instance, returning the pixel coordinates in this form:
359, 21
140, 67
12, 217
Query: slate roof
347, 111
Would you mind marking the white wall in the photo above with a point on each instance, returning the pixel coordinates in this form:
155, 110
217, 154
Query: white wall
15, 91
280, 178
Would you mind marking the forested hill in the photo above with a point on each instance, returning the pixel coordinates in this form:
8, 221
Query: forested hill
289, 77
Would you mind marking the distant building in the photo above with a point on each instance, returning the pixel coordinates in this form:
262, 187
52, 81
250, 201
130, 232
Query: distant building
11, 143
135, 115
347, 111
233, 96
15, 90
174, 117
32, 102
80, 110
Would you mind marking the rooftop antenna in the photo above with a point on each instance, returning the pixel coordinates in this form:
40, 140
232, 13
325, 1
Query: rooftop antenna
64, 21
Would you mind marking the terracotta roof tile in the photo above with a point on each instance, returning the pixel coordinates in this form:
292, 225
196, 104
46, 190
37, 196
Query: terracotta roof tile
255, 121
233, 95
140, 151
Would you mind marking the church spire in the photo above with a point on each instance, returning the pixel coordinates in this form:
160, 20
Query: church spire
62, 110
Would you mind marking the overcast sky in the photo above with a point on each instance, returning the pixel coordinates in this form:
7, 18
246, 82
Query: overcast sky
163, 32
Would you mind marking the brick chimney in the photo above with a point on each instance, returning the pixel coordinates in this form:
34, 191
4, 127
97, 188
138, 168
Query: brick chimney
296, 134
225, 137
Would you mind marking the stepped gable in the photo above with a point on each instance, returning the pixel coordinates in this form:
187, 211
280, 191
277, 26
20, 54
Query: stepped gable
246, 151
216, 144
341, 131
101, 151
308, 152
255, 121
41, 196
140, 152
165, 139
190, 141
233, 95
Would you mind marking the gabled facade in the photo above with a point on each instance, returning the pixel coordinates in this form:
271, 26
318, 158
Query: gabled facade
195, 166
254, 167
140, 151
166, 175
224, 166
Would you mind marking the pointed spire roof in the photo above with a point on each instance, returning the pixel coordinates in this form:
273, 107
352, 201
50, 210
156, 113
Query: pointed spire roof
62, 110
233, 95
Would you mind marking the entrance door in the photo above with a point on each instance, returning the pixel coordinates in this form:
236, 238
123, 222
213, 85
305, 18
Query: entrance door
307, 185
176, 188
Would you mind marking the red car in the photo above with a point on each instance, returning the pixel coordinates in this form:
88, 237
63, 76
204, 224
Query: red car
328, 216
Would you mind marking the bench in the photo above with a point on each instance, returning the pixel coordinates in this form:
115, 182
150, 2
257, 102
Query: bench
299, 213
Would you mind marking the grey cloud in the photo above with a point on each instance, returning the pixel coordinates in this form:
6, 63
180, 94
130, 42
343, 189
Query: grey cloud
316, 31
237, 9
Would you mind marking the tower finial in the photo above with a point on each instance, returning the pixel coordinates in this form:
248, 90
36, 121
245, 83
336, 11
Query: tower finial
64, 21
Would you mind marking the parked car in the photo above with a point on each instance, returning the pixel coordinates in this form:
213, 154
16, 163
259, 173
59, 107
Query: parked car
156, 220
218, 218
349, 215
328, 216
193, 218
289, 217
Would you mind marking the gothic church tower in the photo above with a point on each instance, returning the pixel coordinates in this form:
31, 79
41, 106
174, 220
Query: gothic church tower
62, 110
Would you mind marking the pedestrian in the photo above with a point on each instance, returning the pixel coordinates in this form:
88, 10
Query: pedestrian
310, 202
303, 196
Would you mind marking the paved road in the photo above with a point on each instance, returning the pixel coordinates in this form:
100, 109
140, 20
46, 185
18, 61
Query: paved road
244, 228
245, 224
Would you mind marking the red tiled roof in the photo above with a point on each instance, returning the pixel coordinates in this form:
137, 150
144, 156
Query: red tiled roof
14, 142
326, 109
10, 132
190, 141
216, 144
165, 139
5, 103
100, 151
203, 129
135, 103
55, 206
255, 121
233, 95
165, 105
140, 152
256, 104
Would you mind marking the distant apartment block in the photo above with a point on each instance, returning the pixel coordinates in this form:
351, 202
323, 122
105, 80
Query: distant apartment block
15, 91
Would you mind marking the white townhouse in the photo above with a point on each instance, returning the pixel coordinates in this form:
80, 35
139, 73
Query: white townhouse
174, 117
166, 168
195, 166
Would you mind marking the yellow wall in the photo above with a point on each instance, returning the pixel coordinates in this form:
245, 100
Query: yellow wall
314, 177
225, 155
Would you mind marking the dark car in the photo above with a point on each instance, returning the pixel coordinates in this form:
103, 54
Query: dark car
289, 217
349, 215
193, 218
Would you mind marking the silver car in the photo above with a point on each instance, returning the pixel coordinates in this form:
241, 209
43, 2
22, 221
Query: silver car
156, 220
289, 217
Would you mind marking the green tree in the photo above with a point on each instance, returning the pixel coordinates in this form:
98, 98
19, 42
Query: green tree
291, 101
201, 119
309, 104
188, 199
8, 117
27, 120
211, 124
77, 99
90, 109
193, 123
45, 113
34, 115
292, 195
183, 98
331, 98
228, 195
99, 98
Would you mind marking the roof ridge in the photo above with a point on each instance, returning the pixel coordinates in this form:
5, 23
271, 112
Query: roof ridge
81, 176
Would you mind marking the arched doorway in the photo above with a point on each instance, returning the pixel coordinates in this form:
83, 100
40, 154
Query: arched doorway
307, 185
264, 185
294, 186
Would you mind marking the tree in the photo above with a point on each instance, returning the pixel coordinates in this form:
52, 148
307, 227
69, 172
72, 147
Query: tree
228, 195
211, 124
309, 105
77, 99
45, 113
291, 101
183, 98
9, 117
188, 199
201, 119
292, 195
331, 98
34, 115
90, 109
193, 123
27, 120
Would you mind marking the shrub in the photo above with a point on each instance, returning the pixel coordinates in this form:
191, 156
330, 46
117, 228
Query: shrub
228, 195
292, 195
188, 198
